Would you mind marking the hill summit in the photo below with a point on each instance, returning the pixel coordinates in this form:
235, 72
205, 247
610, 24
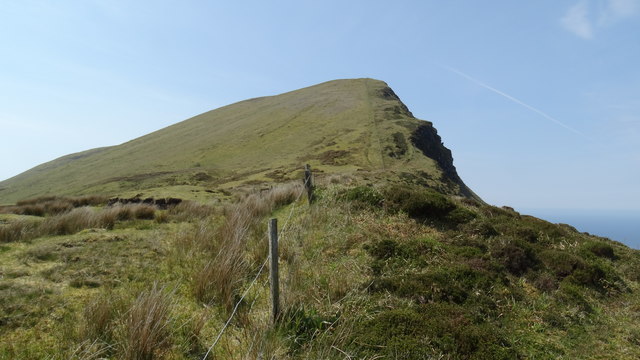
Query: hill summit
354, 126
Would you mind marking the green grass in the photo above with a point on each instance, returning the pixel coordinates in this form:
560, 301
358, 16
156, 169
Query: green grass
358, 279
385, 264
342, 126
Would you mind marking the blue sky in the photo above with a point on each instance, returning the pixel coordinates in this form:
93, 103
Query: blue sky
539, 100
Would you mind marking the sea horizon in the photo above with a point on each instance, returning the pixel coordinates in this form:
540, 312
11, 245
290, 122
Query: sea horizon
618, 225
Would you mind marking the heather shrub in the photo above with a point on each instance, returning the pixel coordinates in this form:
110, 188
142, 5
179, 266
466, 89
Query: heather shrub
600, 249
562, 263
428, 331
515, 255
362, 196
460, 215
419, 203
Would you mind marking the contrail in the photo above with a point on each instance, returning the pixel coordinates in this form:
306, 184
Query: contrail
515, 100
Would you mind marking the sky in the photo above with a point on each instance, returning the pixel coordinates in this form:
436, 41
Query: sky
539, 101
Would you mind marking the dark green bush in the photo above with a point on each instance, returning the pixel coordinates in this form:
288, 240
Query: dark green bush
452, 283
418, 203
592, 275
400, 331
527, 234
600, 249
545, 282
516, 256
460, 215
408, 249
428, 331
382, 249
479, 227
562, 263
362, 196
391, 254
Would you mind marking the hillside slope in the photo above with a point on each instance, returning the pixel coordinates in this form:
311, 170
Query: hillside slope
341, 126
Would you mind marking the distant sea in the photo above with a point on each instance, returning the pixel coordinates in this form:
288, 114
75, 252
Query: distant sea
618, 225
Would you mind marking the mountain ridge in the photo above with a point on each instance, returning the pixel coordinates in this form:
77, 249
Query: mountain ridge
339, 126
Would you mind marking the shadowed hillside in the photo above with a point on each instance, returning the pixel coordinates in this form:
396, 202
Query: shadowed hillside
342, 126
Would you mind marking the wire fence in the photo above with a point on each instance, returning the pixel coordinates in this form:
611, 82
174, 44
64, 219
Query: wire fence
260, 270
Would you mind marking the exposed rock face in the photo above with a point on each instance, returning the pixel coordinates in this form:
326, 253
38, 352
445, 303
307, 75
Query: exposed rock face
427, 140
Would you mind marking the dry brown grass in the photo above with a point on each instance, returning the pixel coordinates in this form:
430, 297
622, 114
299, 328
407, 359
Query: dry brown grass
238, 245
74, 221
98, 319
18, 230
189, 210
146, 332
52, 205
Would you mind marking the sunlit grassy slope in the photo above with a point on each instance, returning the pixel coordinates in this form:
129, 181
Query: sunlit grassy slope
341, 126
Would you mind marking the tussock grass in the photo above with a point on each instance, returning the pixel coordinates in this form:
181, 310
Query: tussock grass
18, 230
238, 245
74, 221
190, 210
52, 205
146, 333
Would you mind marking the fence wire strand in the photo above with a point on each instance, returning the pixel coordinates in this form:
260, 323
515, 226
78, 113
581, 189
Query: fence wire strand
264, 264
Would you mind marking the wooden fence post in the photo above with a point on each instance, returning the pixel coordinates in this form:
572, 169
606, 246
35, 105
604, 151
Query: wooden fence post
308, 182
273, 269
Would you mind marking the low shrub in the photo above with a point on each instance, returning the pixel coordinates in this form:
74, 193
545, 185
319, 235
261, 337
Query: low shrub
546, 282
516, 256
460, 215
362, 196
428, 332
480, 227
597, 275
418, 203
562, 263
452, 283
600, 249
409, 251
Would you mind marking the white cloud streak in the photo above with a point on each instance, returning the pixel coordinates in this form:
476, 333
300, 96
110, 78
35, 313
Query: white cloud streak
583, 22
577, 20
517, 101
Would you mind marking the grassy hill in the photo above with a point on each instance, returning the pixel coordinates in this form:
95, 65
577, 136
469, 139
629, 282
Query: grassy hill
395, 259
340, 126
368, 271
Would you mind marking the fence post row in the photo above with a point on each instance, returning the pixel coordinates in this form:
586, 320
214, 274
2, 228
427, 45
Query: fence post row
273, 269
308, 182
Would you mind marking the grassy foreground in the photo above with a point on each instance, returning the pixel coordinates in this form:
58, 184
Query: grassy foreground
368, 271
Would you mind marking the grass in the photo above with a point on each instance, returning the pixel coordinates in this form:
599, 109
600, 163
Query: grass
330, 125
361, 277
73, 221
